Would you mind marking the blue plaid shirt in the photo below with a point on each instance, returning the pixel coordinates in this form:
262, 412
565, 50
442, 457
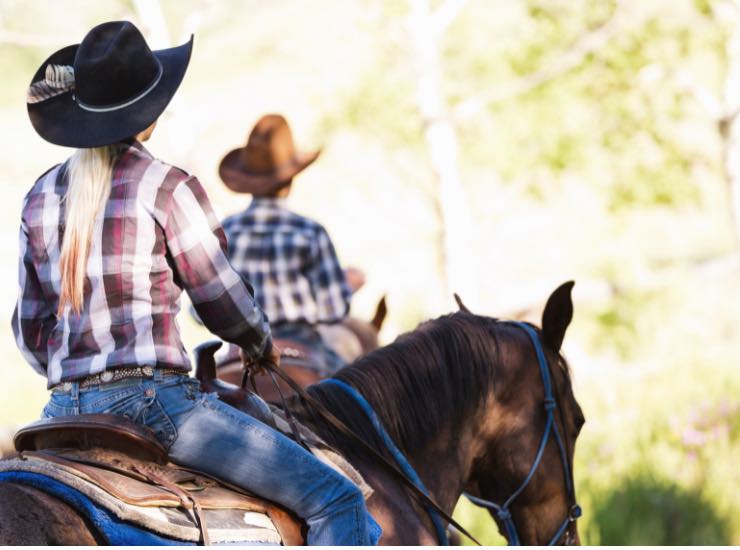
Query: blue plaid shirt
290, 261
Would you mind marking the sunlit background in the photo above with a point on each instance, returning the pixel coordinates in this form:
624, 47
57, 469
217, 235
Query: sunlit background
497, 149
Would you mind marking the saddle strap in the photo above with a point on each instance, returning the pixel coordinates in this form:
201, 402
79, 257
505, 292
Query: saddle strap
189, 501
424, 500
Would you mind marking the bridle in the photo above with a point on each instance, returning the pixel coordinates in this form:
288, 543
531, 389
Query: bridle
503, 512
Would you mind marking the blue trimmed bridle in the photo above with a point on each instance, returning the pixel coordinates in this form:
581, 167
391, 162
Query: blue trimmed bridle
502, 511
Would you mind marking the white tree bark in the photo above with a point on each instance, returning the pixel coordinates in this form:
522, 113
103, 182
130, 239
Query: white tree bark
457, 250
729, 125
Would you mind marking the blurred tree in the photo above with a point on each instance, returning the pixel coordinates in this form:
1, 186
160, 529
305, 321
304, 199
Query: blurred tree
724, 107
427, 27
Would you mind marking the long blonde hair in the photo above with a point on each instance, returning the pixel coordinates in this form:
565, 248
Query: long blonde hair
89, 174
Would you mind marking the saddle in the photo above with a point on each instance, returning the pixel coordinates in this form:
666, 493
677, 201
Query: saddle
120, 466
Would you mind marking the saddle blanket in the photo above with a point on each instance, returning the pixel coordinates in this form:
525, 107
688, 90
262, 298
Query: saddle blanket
118, 505
115, 531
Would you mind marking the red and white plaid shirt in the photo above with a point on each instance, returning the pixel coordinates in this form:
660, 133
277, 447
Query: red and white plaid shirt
158, 235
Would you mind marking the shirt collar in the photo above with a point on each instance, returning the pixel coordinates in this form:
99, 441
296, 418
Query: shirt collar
135, 146
268, 202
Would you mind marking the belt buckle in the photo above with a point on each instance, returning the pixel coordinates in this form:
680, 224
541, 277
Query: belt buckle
67, 386
106, 376
147, 371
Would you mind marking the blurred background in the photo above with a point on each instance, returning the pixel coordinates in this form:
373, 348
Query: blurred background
496, 149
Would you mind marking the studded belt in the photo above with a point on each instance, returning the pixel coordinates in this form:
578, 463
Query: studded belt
115, 375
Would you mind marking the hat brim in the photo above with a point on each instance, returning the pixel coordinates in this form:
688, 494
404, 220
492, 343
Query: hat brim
61, 121
238, 178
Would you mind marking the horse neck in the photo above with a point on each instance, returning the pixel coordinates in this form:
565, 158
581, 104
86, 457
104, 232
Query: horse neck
444, 465
443, 460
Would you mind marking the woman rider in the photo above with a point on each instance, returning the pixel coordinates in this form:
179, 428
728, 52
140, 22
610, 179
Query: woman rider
108, 241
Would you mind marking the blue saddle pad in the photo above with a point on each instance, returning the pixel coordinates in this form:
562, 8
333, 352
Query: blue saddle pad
116, 531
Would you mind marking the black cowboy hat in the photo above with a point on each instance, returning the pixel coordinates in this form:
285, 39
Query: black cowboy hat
267, 162
106, 89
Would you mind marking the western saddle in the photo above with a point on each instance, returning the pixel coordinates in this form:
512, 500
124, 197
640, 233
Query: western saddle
125, 460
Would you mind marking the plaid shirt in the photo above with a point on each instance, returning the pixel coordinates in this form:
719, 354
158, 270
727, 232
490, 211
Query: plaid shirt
158, 235
291, 262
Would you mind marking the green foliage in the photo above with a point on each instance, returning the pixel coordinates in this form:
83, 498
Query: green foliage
648, 510
381, 105
617, 120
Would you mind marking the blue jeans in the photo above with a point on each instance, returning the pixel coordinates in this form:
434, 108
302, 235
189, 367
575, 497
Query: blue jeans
205, 434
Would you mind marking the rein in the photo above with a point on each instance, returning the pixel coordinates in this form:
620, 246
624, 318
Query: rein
425, 500
399, 457
502, 511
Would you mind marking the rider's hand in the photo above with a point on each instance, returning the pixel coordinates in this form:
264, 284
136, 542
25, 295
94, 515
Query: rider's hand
274, 356
355, 278
257, 366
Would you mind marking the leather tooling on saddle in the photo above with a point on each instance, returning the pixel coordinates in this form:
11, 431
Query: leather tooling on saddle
165, 499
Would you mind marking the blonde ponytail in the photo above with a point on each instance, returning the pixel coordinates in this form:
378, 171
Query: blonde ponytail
89, 174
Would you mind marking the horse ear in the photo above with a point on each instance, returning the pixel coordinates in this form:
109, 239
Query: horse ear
557, 316
460, 304
380, 312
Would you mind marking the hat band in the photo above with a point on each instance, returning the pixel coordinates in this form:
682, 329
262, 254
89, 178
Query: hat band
123, 105
275, 169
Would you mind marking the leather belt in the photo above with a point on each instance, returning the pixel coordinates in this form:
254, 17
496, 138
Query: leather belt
115, 375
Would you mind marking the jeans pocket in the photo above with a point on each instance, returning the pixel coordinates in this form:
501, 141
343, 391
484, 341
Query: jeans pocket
58, 405
157, 420
139, 404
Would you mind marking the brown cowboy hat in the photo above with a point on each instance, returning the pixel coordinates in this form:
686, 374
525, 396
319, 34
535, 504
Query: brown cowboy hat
268, 161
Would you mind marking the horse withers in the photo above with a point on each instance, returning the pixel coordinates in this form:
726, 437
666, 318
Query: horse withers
462, 397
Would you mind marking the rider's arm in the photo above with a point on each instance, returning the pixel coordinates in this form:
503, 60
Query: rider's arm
33, 318
327, 279
197, 246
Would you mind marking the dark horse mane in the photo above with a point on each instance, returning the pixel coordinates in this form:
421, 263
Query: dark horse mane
418, 363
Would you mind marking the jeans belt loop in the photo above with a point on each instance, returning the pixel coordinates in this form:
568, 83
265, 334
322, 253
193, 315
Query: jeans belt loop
74, 391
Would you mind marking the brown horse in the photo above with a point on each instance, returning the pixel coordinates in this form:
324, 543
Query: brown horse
352, 338
462, 396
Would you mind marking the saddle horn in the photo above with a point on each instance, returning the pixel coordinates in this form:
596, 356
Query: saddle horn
205, 360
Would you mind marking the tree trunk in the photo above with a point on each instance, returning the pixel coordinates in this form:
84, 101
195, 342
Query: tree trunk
456, 246
727, 15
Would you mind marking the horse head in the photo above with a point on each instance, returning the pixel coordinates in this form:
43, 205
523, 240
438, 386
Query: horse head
523, 469
474, 404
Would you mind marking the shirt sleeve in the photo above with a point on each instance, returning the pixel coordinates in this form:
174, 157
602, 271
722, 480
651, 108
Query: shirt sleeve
327, 280
33, 319
197, 246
